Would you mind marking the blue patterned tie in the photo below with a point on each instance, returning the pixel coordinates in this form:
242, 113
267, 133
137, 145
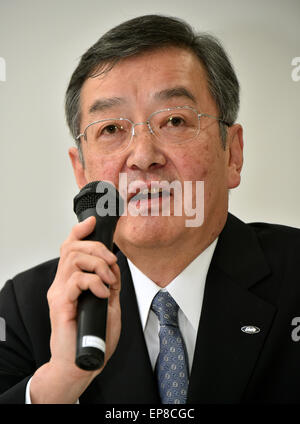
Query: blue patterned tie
171, 366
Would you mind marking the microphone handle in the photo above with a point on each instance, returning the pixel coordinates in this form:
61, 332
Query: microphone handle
92, 311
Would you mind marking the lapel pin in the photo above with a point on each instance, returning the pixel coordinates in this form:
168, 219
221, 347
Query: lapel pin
250, 329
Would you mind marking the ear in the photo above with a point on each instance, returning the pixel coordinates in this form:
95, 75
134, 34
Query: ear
235, 145
78, 167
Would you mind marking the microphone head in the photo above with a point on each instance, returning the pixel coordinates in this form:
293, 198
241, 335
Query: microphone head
89, 195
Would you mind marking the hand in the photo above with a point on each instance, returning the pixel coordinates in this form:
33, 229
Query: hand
76, 257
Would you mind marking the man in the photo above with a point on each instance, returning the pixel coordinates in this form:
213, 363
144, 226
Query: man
156, 102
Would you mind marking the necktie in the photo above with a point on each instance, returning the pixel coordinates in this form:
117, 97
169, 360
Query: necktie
171, 366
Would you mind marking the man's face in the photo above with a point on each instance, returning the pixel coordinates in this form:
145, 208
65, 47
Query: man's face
144, 84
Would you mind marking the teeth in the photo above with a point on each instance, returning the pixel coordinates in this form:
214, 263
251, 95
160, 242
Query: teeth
151, 191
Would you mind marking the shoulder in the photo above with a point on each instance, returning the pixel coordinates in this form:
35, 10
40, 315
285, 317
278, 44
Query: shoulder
23, 299
44, 270
280, 244
277, 245
267, 233
36, 280
276, 236
275, 230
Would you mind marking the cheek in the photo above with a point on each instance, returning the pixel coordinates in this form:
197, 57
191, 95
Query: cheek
99, 169
205, 163
196, 164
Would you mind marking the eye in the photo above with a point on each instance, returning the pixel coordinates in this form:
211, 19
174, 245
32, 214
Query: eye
175, 121
108, 130
111, 129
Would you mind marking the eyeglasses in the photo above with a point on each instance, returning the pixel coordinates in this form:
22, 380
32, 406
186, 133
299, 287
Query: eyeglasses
175, 125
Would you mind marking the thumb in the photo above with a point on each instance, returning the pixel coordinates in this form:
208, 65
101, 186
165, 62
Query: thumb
82, 229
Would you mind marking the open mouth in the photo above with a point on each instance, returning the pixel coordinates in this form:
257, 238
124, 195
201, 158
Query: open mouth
150, 194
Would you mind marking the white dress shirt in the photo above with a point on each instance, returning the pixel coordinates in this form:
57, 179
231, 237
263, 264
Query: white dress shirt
187, 289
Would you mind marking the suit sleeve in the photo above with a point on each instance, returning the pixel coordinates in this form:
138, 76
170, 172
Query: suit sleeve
17, 364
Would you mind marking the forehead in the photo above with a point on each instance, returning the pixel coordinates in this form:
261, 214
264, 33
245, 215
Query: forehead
138, 80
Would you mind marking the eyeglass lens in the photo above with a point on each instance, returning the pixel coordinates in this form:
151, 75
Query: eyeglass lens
168, 126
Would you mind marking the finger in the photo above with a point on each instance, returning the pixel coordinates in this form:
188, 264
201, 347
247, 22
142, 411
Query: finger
81, 281
78, 261
93, 248
115, 288
82, 229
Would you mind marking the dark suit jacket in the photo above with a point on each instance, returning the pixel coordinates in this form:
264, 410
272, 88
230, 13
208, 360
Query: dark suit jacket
252, 280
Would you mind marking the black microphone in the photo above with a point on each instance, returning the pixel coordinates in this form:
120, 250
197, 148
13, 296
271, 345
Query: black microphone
102, 200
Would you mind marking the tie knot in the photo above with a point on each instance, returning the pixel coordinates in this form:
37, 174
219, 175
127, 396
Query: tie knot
166, 309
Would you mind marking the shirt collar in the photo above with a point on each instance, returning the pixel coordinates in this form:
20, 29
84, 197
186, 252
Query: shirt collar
187, 288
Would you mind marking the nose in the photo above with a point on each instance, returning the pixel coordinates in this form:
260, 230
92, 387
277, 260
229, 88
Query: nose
144, 154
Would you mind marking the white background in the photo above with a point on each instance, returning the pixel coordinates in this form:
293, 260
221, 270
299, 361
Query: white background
42, 41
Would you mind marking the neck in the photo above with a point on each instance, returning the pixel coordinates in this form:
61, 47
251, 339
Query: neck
163, 255
165, 263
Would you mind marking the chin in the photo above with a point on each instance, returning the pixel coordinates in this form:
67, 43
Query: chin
148, 231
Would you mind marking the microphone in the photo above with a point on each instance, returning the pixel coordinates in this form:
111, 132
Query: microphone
102, 200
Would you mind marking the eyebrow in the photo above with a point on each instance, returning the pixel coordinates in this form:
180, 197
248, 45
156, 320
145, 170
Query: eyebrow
170, 93
105, 103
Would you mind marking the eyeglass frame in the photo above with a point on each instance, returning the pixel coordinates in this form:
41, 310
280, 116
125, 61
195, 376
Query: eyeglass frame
133, 125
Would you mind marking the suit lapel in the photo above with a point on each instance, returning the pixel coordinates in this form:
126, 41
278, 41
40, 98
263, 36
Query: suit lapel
225, 356
128, 376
